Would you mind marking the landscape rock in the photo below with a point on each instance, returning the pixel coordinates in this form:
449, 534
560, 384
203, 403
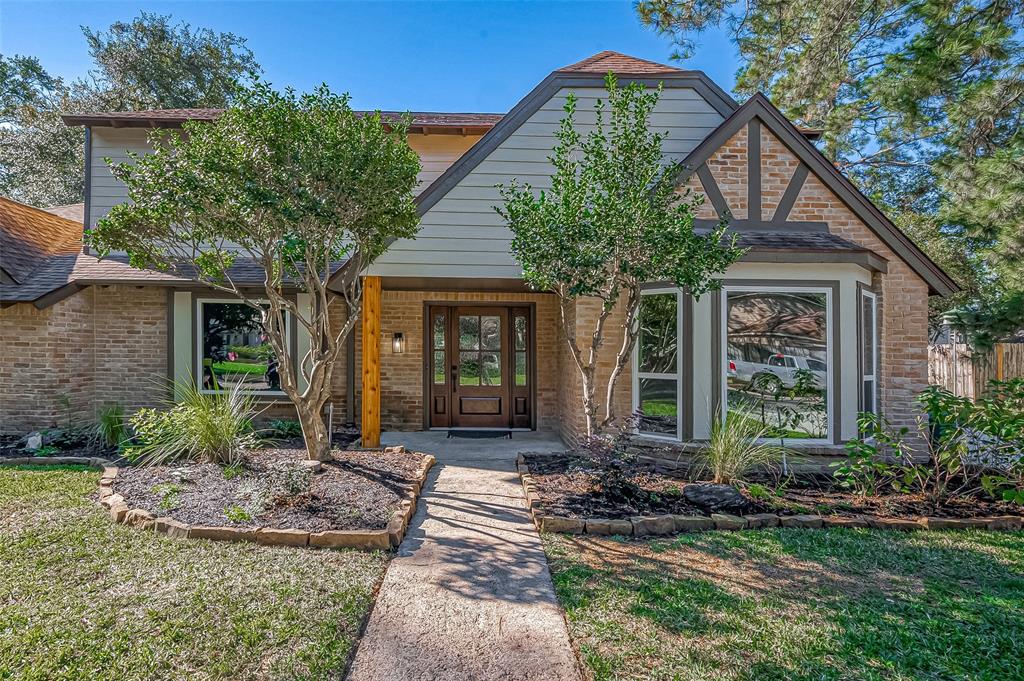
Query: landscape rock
140, 518
599, 526
757, 520
692, 523
895, 524
118, 511
652, 525
1006, 522
955, 523
222, 533
715, 498
171, 527
34, 441
275, 537
802, 521
554, 523
840, 521
724, 521
620, 527
350, 539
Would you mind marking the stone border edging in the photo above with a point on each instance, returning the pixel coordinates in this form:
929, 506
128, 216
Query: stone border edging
91, 461
650, 526
388, 538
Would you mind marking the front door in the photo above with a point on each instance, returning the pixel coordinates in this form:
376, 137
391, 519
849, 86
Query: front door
479, 366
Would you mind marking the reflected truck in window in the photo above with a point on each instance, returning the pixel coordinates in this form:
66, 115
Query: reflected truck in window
784, 367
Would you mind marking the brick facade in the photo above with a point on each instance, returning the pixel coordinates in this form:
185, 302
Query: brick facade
103, 345
903, 294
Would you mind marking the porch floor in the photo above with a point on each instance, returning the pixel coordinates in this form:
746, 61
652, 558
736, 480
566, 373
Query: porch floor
469, 595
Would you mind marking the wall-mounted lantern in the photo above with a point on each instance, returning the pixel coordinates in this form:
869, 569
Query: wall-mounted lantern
397, 342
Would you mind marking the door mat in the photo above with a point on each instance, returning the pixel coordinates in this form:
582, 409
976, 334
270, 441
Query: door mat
480, 434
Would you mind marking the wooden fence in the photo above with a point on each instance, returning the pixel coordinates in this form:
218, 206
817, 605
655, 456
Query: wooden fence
964, 372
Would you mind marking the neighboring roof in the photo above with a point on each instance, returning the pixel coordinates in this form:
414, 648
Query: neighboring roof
616, 62
760, 108
29, 235
62, 275
422, 121
69, 211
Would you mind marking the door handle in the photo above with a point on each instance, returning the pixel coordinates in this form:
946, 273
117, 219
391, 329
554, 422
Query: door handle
455, 377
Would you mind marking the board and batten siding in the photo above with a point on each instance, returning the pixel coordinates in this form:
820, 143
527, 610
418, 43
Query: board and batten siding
436, 153
462, 235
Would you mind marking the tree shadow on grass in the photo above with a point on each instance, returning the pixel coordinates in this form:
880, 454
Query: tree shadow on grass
901, 605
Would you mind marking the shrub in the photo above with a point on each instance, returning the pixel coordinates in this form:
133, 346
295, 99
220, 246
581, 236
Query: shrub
285, 428
214, 428
237, 514
111, 428
735, 449
289, 481
613, 464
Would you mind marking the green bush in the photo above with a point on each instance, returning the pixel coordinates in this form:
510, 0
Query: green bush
111, 428
736, 448
285, 428
215, 428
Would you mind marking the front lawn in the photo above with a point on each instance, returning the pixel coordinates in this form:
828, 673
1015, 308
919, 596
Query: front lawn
795, 604
83, 598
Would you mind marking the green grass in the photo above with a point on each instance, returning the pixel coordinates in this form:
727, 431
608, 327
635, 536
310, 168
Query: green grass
796, 604
228, 367
82, 598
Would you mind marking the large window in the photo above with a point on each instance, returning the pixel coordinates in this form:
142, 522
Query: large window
777, 360
869, 351
233, 349
657, 394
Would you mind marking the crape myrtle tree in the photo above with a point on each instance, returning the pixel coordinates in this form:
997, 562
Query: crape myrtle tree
612, 220
295, 184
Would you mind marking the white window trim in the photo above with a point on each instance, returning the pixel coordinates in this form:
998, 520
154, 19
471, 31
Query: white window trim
873, 376
197, 359
723, 351
677, 376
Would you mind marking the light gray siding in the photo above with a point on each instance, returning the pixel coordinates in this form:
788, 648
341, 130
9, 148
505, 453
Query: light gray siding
113, 143
462, 236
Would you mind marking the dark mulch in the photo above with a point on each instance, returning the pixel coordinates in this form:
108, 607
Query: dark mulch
568, 487
355, 491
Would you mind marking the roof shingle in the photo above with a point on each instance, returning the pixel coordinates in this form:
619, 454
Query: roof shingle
618, 63
29, 235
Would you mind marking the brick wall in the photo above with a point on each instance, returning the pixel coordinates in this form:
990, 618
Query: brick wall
46, 364
903, 295
584, 316
99, 346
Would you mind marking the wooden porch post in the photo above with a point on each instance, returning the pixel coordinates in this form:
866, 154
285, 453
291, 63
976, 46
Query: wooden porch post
371, 362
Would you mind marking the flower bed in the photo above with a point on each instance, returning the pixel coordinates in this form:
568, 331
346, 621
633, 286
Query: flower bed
358, 499
562, 497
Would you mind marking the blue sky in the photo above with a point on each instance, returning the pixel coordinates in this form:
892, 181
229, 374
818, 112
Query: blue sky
419, 56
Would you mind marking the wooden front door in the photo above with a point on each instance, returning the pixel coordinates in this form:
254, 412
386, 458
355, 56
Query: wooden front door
479, 366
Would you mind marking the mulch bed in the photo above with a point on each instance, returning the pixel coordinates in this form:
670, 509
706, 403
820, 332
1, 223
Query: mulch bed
358, 490
567, 487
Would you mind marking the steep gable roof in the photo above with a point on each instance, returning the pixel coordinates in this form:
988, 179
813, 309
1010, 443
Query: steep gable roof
760, 108
587, 73
29, 235
618, 63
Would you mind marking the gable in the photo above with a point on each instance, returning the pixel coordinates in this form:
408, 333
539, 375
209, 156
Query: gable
461, 235
758, 171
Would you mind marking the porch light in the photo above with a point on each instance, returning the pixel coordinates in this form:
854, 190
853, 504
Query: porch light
397, 342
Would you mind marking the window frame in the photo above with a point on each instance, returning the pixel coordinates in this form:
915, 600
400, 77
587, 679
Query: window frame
197, 347
830, 374
863, 377
677, 376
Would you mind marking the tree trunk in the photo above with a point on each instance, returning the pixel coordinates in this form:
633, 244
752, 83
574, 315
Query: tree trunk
589, 403
625, 351
314, 431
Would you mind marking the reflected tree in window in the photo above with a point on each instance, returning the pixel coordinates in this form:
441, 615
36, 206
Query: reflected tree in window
777, 361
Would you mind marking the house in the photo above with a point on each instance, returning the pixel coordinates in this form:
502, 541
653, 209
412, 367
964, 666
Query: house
826, 314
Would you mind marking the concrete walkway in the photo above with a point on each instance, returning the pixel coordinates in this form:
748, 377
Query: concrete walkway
469, 595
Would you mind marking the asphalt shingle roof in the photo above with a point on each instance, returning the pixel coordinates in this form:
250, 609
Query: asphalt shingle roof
29, 235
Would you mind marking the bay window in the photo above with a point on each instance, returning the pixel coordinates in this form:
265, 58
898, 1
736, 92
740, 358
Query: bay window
657, 389
777, 360
868, 324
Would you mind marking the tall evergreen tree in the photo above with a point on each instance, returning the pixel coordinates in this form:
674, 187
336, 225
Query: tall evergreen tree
921, 103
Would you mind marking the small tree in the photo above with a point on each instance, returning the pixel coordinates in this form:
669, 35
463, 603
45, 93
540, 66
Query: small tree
612, 220
296, 185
